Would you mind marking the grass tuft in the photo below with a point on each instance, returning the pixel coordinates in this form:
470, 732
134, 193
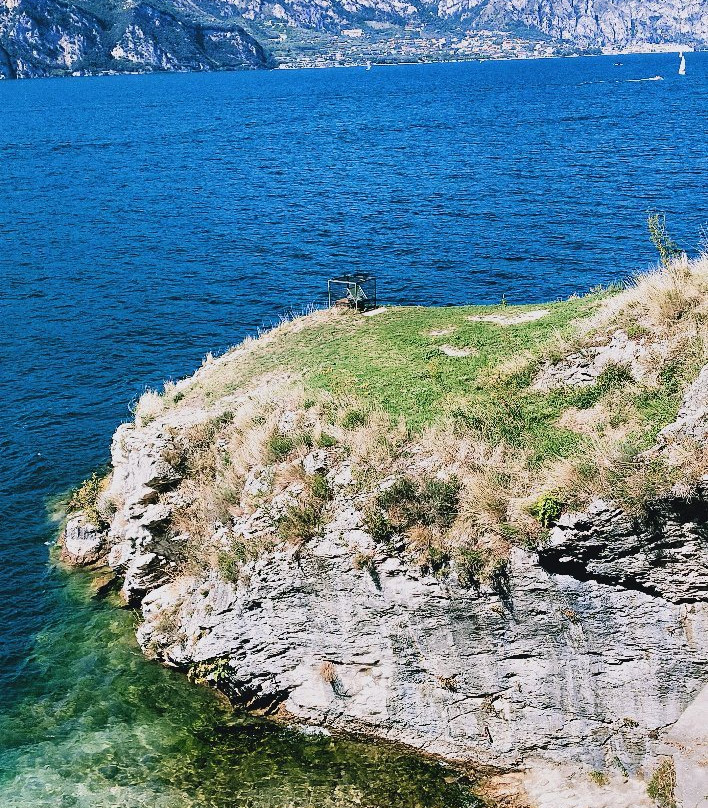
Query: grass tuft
662, 785
278, 447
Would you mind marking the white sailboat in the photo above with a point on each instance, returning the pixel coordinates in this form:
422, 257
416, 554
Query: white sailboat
682, 65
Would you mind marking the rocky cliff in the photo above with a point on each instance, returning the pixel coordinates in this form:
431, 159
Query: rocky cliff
451, 585
53, 37
50, 38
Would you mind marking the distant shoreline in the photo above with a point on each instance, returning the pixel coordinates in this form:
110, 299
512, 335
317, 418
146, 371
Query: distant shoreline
658, 50
654, 50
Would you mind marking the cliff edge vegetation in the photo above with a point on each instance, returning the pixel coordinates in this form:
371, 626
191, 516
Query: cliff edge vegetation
478, 531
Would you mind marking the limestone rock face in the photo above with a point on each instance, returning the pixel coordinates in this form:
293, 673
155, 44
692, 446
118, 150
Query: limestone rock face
594, 22
163, 41
558, 667
43, 37
140, 550
665, 553
691, 424
687, 743
586, 653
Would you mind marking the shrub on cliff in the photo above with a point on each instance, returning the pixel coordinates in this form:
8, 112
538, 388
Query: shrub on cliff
303, 520
87, 499
662, 784
407, 502
666, 247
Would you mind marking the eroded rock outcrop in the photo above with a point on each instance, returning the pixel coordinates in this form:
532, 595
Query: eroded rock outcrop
664, 552
691, 424
585, 367
83, 543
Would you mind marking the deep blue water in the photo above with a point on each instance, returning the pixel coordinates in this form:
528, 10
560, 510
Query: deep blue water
146, 220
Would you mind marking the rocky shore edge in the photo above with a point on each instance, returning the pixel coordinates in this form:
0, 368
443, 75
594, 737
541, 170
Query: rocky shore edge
573, 668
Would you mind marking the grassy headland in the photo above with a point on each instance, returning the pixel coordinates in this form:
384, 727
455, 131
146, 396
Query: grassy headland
495, 418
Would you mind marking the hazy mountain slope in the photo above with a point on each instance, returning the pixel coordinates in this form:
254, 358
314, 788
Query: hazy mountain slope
596, 22
582, 22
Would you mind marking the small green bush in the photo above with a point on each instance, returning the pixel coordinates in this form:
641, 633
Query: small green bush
319, 487
401, 492
301, 522
635, 330
613, 377
353, 418
666, 247
378, 526
526, 420
405, 503
434, 559
229, 566
547, 509
470, 562
441, 500
326, 441
85, 498
278, 447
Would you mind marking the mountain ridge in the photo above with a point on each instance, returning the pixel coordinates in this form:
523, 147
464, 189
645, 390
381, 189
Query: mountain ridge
58, 38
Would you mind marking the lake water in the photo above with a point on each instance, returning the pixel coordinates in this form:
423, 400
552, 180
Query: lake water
146, 220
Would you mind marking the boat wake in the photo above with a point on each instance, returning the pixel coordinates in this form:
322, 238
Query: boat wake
653, 78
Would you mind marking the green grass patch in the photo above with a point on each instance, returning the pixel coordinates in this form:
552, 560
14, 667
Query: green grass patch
392, 362
278, 447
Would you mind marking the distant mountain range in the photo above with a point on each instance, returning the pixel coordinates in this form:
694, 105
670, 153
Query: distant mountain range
58, 37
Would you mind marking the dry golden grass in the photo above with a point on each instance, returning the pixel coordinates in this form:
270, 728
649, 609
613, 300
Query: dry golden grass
662, 301
148, 407
328, 672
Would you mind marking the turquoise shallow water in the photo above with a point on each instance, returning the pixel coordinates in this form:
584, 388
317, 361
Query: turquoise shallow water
94, 724
145, 220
